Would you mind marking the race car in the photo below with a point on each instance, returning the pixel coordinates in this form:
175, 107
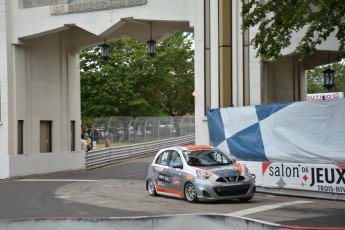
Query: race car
199, 173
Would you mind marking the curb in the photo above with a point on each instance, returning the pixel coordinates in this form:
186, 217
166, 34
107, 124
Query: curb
164, 222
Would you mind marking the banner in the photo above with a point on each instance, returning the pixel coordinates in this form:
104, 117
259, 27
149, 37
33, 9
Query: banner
324, 96
328, 178
302, 132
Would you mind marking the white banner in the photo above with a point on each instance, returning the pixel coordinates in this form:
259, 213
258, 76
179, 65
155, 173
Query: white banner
329, 178
324, 96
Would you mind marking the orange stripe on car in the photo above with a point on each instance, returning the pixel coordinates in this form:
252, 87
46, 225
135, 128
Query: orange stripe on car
176, 192
239, 167
196, 147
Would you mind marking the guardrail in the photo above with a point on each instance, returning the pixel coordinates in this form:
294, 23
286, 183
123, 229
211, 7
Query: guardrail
108, 156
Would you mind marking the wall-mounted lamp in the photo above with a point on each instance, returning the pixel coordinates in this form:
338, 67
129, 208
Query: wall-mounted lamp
151, 45
104, 50
328, 78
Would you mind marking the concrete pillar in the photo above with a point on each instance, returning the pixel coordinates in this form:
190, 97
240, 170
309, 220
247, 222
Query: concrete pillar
225, 53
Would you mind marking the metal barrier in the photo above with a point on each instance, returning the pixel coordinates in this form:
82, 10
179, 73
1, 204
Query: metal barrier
108, 156
123, 130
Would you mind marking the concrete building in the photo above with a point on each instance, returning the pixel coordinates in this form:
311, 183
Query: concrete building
227, 73
40, 42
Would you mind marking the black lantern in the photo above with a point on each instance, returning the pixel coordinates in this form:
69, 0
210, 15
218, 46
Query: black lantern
328, 78
104, 50
151, 46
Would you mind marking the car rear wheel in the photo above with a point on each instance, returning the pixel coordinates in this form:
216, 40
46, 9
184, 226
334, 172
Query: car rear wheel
151, 187
190, 193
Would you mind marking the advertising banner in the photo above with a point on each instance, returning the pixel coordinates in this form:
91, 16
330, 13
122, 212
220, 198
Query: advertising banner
324, 96
328, 178
299, 132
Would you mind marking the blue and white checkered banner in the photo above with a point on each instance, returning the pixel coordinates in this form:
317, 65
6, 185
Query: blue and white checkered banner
302, 132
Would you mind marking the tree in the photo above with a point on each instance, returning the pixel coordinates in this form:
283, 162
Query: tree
176, 62
315, 79
278, 19
130, 83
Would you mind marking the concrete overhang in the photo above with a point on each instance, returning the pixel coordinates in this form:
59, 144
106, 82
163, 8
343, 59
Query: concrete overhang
139, 30
167, 17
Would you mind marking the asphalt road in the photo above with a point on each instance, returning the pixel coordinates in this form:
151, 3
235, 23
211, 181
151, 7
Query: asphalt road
119, 191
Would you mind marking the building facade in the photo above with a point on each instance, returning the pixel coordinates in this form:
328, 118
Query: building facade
228, 73
40, 42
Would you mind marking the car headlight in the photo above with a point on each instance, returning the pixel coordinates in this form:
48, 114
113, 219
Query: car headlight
202, 174
246, 172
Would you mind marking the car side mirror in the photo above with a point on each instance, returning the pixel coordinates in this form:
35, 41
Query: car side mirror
178, 166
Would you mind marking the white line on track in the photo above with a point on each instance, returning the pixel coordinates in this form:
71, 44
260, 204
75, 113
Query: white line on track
78, 196
267, 207
55, 180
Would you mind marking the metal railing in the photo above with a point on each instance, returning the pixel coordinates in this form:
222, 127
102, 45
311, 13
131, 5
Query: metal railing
122, 130
108, 156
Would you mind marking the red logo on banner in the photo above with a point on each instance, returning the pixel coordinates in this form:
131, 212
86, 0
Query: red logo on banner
265, 166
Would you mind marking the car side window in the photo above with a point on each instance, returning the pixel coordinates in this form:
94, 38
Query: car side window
163, 158
175, 158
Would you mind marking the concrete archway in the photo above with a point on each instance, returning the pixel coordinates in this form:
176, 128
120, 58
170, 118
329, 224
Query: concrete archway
40, 96
40, 41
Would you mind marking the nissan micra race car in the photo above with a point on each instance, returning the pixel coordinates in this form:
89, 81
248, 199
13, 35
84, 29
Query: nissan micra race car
198, 173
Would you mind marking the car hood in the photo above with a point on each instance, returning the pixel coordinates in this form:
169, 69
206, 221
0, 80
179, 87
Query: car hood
223, 171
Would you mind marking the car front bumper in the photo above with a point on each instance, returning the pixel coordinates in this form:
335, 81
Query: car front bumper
211, 191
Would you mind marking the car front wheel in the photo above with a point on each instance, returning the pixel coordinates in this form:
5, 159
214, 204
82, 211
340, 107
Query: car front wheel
190, 193
151, 187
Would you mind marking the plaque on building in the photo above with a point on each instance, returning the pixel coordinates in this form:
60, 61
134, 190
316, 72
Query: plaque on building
40, 3
58, 7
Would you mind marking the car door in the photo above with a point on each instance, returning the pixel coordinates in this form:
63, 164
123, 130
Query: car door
162, 177
168, 178
175, 173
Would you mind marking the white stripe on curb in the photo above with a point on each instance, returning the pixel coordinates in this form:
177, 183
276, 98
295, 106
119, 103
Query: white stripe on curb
266, 207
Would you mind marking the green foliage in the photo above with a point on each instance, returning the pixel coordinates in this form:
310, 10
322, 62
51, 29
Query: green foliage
131, 83
278, 19
315, 79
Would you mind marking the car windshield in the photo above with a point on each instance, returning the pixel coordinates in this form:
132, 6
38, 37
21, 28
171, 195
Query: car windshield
207, 157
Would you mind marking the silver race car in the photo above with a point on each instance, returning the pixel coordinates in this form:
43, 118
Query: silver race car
199, 173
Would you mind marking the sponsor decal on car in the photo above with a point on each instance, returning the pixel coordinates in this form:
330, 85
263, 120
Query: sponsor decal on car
231, 171
164, 178
161, 184
229, 174
159, 169
176, 181
223, 168
189, 177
